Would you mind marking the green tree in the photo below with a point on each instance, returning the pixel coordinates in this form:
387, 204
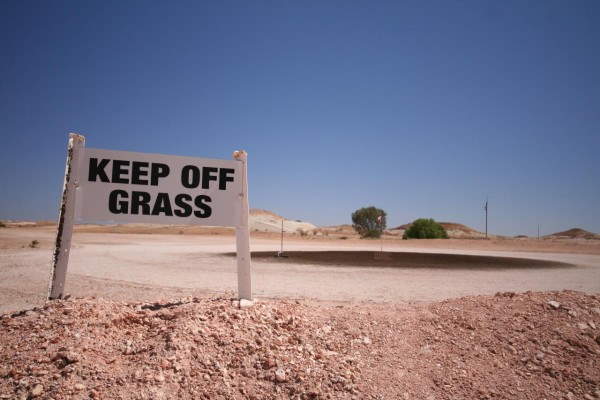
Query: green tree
369, 222
425, 228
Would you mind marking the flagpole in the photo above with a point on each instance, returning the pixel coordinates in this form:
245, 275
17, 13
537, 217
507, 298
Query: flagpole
486, 217
281, 247
380, 221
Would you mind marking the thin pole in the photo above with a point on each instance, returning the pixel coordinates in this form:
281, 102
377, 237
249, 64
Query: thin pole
64, 231
281, 247
486, 218
381, 226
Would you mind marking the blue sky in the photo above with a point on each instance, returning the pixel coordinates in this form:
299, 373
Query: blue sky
421, 108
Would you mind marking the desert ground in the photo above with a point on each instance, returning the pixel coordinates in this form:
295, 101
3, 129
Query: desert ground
162, 262
152, 315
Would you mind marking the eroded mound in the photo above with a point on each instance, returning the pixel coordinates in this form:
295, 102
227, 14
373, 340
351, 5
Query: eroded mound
508, 346
574, 233
403, 260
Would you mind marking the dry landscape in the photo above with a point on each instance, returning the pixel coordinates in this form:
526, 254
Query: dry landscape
152, 316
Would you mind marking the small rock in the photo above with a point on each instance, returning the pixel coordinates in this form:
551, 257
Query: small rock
36, 390
64, 358
79, 386
592, 324
572, 313
280, 375
582, 325
588, 396
554, 304
159, 378
269, 363
596, 310
366, 340
246, 303
326, 329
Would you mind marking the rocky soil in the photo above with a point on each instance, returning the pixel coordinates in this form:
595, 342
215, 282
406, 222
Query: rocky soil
508, 346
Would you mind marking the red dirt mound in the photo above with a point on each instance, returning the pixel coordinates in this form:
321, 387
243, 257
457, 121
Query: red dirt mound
508, 346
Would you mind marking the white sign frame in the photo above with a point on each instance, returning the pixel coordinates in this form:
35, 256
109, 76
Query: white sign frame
72, 206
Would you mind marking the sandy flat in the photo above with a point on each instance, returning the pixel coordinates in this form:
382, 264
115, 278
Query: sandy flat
132, 266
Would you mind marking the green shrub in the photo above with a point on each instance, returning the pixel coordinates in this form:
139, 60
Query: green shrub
425, 228
369, 222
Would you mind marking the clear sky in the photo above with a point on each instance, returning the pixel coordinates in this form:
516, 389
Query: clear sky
421, 108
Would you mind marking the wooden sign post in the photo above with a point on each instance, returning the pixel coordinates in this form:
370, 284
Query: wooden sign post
66, 215
242, 234
118, 186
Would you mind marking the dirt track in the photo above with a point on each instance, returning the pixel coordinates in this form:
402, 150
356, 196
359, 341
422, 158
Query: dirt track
149, 266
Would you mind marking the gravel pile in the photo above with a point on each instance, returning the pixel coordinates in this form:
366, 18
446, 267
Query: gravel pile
508, 346
198, 348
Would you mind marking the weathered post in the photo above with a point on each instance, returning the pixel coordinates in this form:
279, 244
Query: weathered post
242, 234
64, 231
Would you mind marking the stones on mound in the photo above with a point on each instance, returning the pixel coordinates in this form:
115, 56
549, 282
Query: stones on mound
36, 391
280, 375
206, 348
554, 304
64, 358
79, 387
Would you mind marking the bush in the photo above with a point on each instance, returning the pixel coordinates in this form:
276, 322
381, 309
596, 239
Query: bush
425, 228
369, 222
34, 244
2, 224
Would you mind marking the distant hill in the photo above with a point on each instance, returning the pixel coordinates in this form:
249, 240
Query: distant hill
574, 233
260, 211
268, 221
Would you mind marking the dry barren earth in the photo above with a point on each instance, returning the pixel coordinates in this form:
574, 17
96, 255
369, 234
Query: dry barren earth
523, 346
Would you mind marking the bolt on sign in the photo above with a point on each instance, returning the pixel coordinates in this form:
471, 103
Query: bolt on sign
119, 187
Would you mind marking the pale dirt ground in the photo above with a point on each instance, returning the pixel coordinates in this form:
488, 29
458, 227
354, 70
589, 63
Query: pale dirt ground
133, 266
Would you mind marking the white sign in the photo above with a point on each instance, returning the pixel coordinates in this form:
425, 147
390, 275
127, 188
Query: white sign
120, 186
